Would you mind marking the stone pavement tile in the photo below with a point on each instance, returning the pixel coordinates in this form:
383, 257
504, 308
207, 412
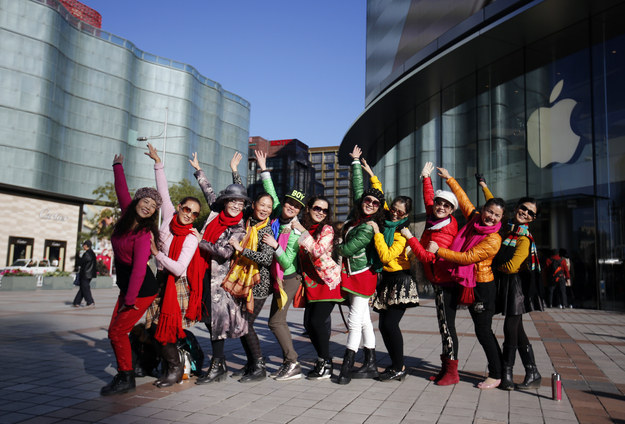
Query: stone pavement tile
14, 417
322, 414
350, 417
121, 419
198, 418
151, 420
390, 412
272, 417
492, 415
487, 421
452, 419
144, 411
329, 405
378, 419
454, 410
40, 420
16, 406
304, 402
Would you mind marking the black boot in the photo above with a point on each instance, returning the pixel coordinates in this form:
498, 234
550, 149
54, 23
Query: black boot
346, 368
174, 366
256, 372
532, 376
123, 382
243, 371
369, 369
509, 355
217, 372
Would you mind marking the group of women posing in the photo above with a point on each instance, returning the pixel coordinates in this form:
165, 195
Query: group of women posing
249, 250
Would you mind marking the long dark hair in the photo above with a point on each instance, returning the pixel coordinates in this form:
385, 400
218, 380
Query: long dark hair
308, 222
125, 223
359, 217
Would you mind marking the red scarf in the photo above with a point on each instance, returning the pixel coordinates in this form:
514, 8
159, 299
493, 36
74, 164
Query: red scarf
169, 327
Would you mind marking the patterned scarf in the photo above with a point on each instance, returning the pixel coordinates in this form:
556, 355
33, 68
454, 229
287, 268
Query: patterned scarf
244, 273
509, 243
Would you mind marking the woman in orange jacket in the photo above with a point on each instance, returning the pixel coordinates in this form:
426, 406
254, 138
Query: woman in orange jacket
469, 260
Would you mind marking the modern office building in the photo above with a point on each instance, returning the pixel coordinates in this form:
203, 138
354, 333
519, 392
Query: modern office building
72, 96
529, 93
287, 160
336, 180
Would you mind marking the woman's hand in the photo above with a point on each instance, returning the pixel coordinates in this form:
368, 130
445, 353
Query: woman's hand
432, 247
236, 244
443, 173
374, 225
197, 234
269, 240
406, 233
153, 247
296, 225
118, 159
261, 158
195, 162
124, 308
234, 162
152, 153
427, 170
356, 153
366, 167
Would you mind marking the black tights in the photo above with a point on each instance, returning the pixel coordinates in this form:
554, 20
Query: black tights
218, 348
250, 341
513, 331
316, 323
482, 314
391, 334
446, 304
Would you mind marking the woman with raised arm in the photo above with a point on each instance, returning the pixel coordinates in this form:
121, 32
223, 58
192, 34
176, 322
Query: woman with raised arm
519, 292
396, 290
131, 239
322, 277
285, 277
223, 314
358, 279
179, 260
469, 259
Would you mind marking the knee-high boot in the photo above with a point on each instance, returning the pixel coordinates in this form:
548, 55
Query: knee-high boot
174, 366
509, 355
532, 376
346, 369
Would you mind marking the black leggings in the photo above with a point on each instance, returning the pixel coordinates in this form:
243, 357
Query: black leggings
316, 321
250, 341
391, 334
446, 299
513, 331
482, 312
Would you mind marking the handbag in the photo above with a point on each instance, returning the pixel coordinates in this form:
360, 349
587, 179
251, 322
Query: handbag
299, 299
77, 280
466, 296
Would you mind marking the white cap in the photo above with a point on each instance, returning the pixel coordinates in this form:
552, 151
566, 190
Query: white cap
448, 196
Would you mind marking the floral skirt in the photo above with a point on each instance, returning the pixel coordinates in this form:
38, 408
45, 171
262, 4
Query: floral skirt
154, 311
396, 288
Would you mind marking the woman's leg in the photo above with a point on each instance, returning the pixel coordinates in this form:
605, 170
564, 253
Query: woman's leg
319, 337
277, 318
251, 344
482, 314
391, 334
359, 323
510, 343
446, 301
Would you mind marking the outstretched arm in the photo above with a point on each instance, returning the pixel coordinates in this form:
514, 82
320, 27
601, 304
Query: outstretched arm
375, 182
482, 183
357, 182
121, 187
265, 176
428, 189
205, 186
161, 184
463, 200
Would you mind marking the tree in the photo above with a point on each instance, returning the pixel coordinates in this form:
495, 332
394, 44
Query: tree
185, 188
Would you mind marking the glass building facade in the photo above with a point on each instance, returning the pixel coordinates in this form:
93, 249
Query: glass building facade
71, 96
532, 102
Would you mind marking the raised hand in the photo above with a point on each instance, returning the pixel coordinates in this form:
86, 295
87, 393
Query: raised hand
374, 225
443, 173
406, 233
234, 162
366, 167
356, 153
195, 162
427, 169
118, 159
152, 153
261, 158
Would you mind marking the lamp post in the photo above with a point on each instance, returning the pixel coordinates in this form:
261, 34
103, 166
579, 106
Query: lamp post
162, 135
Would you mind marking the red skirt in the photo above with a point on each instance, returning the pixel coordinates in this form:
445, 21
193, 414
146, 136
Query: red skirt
362, 284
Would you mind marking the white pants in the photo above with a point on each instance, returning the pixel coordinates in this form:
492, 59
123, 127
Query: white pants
359, 324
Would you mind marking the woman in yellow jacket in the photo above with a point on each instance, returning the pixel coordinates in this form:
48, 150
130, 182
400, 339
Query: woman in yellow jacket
469, 260
396, 290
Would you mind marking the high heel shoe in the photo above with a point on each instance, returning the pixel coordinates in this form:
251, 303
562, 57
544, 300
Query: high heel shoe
390, 374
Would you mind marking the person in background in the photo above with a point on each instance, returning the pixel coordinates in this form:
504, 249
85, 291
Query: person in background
570, 296
131, 239
558, 275
87, 271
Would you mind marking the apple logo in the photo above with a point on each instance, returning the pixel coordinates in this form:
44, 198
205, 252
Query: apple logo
550, 137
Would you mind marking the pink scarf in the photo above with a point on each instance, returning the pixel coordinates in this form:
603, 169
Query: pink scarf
468, 237
276, 270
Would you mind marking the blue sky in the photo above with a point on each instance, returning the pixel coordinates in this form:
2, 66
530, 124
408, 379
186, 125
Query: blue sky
301, 64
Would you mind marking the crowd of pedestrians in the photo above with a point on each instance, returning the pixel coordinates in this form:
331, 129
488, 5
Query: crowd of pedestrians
288, 249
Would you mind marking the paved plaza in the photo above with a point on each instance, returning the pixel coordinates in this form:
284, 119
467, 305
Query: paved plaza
55, 358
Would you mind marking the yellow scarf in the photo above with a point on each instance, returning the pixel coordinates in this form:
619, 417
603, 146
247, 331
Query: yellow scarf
244, 273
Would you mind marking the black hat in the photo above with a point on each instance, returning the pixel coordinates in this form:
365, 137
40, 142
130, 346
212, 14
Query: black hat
233, 192
297, 195
374, 192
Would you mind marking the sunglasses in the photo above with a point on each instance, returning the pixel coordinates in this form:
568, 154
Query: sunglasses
443, 203
525, 209
187, 210
319, 209
397, 211
371, 201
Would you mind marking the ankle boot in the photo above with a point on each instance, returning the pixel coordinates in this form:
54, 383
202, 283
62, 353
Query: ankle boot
451, 374
441, 373
123, 382
175, 368
346, 368
256, 372
532, 376
369, 368
509, 355
243, 371
216, 372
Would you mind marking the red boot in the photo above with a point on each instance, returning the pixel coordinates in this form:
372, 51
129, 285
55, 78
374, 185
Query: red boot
441, 373
451, 374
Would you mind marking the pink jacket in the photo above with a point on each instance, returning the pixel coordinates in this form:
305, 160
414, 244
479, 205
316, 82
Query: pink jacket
320, 254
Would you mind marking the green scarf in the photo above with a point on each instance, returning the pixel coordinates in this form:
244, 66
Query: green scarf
389, 230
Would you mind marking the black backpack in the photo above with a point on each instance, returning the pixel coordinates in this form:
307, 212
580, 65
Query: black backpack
556, 271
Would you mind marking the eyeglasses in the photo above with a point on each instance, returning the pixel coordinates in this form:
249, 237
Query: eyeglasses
525, 209
441, 202
371, 201
237, 203
397, 211
319, 209
187, 210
